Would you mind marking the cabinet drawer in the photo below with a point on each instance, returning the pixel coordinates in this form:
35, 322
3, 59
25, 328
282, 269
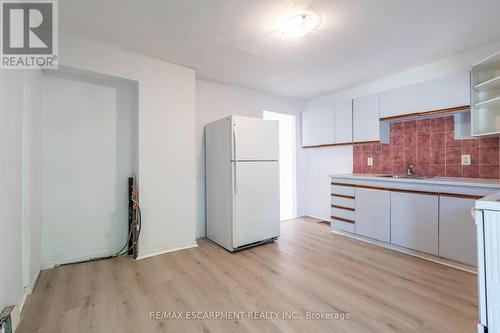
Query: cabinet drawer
343, 190
343, 226
343, 213
343, 202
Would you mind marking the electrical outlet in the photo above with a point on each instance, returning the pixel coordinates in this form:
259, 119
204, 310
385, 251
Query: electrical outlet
465, 159
370, 161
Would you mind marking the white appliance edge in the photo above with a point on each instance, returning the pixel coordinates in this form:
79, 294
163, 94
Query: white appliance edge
487, 213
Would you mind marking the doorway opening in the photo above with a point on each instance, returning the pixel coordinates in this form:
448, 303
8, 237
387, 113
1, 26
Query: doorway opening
288, 179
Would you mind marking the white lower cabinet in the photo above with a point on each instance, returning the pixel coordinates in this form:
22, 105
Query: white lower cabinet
457, 230
414, 221
422, 219
373, 209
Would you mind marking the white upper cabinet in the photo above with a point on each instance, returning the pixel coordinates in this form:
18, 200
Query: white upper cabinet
399, 101
343, 122
444, 93
485, 113
318, 126
366, 118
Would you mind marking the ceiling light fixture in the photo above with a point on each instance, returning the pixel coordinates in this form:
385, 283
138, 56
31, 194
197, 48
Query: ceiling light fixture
299, 24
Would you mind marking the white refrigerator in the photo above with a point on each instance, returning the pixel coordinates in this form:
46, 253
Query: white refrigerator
242, 182
487, 214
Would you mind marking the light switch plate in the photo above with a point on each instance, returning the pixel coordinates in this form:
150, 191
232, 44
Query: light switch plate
465, 159
370, 161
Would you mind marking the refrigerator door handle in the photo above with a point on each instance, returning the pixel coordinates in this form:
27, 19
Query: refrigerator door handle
473, 211
235, 179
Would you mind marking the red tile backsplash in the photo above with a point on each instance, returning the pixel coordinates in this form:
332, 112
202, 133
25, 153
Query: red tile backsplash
429, 145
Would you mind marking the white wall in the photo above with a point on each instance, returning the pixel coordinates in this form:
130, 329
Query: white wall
31, 179
19, 199
11, 136
215, 101
166, 134
321, 163
166, 164
88, 153
337, 160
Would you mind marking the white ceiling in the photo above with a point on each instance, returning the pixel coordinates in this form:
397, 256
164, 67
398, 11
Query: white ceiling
235, 42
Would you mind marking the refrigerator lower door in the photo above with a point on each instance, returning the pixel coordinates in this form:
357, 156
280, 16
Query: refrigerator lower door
492, 269
481, 278
256, 202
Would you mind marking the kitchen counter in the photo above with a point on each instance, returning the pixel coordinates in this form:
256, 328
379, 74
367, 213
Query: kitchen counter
427, 217
465, 182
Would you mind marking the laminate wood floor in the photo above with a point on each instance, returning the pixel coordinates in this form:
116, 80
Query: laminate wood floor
309, 269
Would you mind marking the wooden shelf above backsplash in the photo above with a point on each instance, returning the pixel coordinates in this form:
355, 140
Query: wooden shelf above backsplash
427, 114
343, 144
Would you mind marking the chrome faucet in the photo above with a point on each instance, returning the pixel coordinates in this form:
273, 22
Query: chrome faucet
410, 170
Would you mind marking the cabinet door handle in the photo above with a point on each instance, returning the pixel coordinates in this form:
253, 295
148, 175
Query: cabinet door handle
235, 162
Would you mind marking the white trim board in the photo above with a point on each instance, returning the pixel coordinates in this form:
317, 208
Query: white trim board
321, 219
410, 252
22, 301
54, 264
27, 291
16, 312
143, 255
153, 253
34, 280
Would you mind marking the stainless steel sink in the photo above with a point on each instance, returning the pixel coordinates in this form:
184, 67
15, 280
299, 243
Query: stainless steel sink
405, 176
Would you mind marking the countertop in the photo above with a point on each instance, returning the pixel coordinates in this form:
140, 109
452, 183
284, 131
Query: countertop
490, 202
469, 182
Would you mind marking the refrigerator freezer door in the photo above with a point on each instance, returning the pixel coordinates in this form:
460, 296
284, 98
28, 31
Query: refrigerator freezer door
257, 202
255, 139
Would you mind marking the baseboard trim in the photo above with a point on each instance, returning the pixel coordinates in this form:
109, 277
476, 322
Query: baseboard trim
410, 252
53, 264
317, 218
158, 252
22, 301
35, 279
